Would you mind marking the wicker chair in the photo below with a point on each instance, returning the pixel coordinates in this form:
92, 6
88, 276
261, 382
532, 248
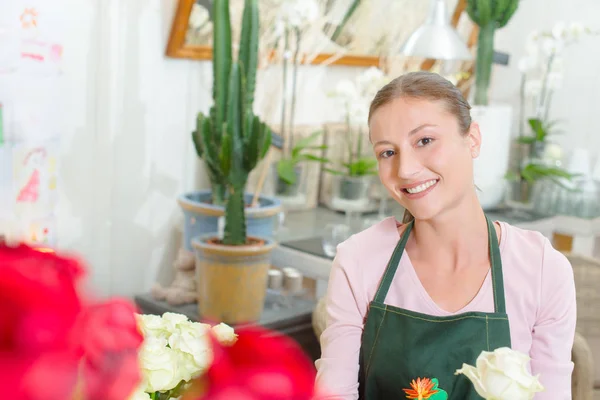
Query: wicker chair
583, 373
587, 281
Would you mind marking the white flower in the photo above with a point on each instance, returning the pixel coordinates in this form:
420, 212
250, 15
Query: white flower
346, 91
299, 13
191, 340
559, 31
527, 64
172, 321
159, 365
502, 375
139, 394
152, 326
198, 17
576, 30
224, 334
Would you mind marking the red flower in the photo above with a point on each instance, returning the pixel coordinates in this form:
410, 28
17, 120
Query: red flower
110, 343
48, 331
261, 365
40, 304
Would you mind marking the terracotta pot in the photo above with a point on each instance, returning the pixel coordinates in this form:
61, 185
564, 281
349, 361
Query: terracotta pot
232, 280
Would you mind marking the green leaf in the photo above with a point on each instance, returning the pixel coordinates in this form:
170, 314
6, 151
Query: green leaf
310, 157
304, 142
526, 139
286, 171
538, 128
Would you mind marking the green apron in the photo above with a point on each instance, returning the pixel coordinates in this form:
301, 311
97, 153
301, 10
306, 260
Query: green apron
400, 346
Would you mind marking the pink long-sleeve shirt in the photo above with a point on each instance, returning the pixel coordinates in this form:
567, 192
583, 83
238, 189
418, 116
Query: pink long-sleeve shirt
540, 301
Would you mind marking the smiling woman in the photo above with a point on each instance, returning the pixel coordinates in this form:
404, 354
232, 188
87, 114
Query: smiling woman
442, 135
409, 303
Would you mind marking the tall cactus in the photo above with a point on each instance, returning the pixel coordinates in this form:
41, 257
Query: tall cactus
490, 15
232, 140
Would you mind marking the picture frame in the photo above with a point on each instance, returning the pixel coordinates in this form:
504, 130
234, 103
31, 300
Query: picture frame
179, 46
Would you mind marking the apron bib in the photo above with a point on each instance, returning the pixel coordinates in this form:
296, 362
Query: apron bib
401, 346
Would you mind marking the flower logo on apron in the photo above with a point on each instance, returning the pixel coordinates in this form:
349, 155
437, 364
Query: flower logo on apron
425, 389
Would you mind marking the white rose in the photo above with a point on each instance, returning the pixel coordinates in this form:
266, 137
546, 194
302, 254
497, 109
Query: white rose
502, 375
152, 326
159, 365
173, 320
225, 334
191, 340
346, 90
139, 394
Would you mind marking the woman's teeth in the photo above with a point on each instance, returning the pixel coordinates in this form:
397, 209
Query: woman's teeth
421, 187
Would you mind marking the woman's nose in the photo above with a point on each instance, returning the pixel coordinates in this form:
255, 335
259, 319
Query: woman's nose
409, 165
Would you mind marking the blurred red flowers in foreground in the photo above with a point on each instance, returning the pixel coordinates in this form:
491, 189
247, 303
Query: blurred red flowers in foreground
261, 365
54, 342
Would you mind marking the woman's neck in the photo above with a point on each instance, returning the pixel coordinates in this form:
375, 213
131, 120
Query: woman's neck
457, 237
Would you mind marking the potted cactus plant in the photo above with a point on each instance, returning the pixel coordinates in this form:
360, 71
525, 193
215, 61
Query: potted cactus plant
232, 270
494, 119
202, 209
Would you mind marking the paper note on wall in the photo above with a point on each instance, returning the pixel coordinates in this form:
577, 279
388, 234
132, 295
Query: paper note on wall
35, 180
31, 36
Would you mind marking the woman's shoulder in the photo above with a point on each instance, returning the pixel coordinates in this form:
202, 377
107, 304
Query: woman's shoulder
530, 252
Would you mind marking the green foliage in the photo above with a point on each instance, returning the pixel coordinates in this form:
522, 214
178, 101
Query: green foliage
300, 153
231, 139
489, 15
358, 167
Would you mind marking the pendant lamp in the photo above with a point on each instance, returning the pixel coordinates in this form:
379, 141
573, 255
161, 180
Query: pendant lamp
436, 38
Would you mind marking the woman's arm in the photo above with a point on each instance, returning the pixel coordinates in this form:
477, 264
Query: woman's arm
337, 370
554, 329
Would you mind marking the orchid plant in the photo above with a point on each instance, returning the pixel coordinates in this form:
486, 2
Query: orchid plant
354, 98
541, 75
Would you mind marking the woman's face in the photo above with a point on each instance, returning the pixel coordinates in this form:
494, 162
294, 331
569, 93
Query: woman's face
425, 162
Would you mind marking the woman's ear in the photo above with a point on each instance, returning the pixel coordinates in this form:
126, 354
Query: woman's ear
474, 139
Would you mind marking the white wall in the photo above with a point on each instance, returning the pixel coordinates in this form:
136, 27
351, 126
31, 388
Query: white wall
127, 152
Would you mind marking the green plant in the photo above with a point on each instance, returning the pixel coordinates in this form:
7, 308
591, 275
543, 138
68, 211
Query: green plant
537, 169
489, 15
232, 140
300, 153
357, 164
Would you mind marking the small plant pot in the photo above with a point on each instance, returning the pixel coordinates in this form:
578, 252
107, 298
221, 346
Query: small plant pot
232, 280
351, 192
284, 189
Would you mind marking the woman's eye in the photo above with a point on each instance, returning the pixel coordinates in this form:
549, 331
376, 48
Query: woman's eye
424, 142
386, 154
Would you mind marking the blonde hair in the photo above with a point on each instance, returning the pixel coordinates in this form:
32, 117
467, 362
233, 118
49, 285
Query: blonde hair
423, 85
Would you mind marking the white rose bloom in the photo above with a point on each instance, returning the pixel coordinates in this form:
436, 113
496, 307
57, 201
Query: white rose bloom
152, 326
502, 375
159, 365
191, 340
224, 333
173, 320
139, 394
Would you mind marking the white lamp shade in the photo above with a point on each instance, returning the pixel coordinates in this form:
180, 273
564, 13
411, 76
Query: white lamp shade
436, 38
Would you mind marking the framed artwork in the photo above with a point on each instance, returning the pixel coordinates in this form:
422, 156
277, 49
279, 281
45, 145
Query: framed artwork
347, 32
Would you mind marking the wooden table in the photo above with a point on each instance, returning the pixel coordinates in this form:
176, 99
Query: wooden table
294, 320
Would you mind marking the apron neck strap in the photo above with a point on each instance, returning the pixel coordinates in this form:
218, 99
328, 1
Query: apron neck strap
494, 250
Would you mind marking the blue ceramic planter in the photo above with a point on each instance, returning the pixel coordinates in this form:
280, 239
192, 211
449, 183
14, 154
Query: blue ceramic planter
201, 217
